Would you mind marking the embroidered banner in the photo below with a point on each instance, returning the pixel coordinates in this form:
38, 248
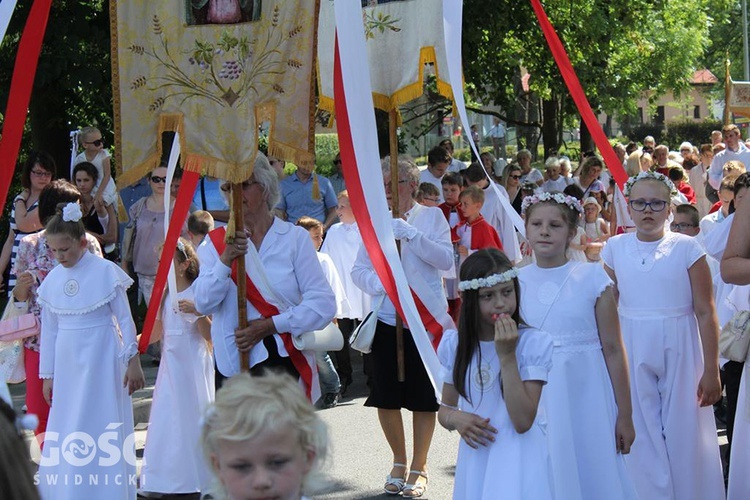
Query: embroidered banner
214, 71
739, 97
398, 43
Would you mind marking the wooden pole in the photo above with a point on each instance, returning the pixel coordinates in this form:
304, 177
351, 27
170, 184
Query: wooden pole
239, 224
393, 149
727, 92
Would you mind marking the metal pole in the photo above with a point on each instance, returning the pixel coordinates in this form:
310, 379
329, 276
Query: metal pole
745, 53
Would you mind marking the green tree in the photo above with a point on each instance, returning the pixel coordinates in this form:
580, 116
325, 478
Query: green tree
73, 84
619, 50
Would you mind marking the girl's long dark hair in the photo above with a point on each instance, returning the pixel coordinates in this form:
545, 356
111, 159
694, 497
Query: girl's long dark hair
478, 265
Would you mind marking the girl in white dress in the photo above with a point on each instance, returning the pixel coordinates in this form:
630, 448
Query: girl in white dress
665, 300
95, 153
90, 366
172, 460
587, 398
263, 439
493, 376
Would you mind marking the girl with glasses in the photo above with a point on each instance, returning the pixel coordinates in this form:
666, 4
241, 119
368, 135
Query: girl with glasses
38, 172
95, 153
670, 330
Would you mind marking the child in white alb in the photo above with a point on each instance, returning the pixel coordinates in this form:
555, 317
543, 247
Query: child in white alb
587, 399
670, 331
494, 371
90, 366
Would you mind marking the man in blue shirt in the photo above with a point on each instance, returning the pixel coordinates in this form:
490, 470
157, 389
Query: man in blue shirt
307, 193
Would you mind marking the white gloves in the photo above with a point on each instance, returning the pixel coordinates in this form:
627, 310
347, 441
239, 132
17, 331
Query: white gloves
402, 230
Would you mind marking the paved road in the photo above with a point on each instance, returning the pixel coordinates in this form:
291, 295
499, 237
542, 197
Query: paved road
359, 457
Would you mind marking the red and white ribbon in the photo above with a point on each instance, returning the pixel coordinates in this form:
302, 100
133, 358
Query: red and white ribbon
355, 118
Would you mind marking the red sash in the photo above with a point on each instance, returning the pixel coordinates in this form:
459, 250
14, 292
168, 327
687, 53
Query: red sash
267, 310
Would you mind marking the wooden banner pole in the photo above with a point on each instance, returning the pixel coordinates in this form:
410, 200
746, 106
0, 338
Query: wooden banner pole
239, 224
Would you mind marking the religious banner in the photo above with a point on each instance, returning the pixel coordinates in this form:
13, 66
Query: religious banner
739, 98
398, 42
214, 71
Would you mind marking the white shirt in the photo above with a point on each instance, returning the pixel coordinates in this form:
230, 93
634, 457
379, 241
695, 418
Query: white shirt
426, 176
716, 171
287, 255
456, 166
497, 131
534, 176
559, 185
342, 244
332, 276
493, 212
428, 253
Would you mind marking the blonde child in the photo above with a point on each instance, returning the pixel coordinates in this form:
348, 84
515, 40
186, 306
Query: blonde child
474, 233
588, 398
493, 374
93, 152
172, 461
670, 330
267, 426
89, 365
595, 227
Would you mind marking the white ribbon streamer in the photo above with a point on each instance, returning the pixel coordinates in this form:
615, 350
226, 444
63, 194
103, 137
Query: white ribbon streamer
358, 89
452, 19
174, 154
6, 12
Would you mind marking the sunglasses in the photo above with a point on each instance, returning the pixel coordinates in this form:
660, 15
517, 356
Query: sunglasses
158, 180
97, 143
516, 177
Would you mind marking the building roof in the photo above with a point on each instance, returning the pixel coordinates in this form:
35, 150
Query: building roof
704, 77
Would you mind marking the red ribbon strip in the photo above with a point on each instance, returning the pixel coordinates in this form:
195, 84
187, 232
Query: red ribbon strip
360, 209
21, 86
579, 96
267, 310
179, 214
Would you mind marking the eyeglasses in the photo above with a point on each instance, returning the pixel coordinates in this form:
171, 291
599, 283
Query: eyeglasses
684, 150
681, 226
434, 200
158, 180
226, 187
97, 143
516, 177
41, 173
654, 205
387, 185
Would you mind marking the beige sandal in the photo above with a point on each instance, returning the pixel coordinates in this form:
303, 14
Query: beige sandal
417, 488
395, 485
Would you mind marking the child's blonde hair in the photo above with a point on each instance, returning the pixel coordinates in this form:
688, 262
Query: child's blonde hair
247, 407
343, 194
474, 193
85, 131
733, 167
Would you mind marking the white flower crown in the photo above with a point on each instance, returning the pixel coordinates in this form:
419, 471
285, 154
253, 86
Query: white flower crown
488, 281
649, 175
72, 212
556, 197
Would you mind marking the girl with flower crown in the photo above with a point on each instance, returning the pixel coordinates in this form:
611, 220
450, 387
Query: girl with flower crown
90, 366
172, 461
588, 398
670, 330
494, 370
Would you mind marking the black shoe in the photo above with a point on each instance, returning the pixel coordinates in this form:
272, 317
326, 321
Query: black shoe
345, 385
329, 400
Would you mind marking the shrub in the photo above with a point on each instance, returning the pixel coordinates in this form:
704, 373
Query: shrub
696, 133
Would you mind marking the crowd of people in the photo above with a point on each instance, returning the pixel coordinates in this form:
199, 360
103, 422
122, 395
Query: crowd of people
583, 360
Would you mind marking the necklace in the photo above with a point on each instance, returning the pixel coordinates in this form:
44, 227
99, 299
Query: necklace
649, 254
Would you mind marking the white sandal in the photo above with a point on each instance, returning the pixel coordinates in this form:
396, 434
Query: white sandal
396, 484
416, 489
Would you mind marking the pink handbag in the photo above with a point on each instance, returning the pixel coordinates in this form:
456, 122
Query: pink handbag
19, 327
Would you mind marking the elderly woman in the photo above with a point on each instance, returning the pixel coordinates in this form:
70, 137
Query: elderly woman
528, 174
426, 250
281, 263
35, 260
591, 169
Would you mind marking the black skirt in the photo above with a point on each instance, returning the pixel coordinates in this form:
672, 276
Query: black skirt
416, 393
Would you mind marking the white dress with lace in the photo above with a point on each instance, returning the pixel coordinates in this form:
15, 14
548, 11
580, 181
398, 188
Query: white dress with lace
514, 466
579, 398
87, 338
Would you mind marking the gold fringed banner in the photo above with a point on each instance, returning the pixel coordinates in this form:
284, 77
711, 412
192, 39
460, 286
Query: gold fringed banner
398, 41
215, 71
